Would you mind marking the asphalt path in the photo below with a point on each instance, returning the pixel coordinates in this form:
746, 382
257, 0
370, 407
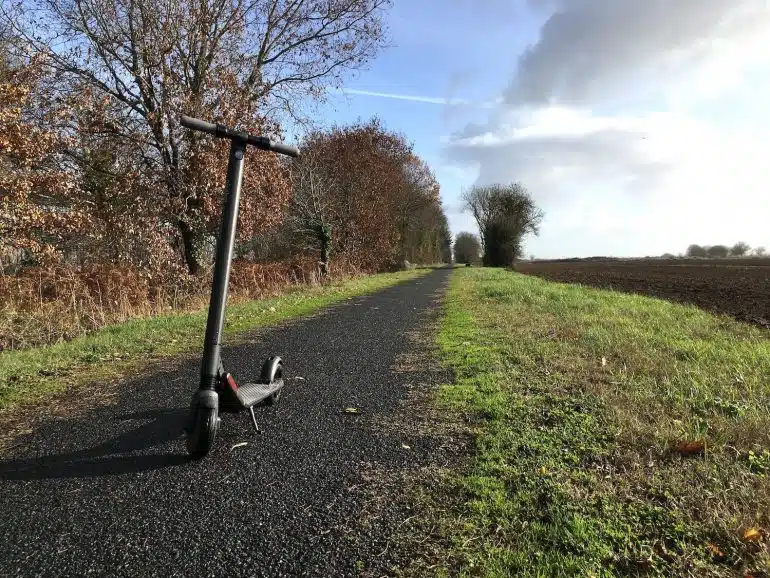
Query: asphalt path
111, 492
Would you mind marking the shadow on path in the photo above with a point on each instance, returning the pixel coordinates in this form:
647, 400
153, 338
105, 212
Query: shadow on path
109, 458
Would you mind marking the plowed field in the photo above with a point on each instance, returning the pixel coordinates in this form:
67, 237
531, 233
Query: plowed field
736, 287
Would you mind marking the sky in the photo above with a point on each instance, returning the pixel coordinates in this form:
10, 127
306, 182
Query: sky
638, 127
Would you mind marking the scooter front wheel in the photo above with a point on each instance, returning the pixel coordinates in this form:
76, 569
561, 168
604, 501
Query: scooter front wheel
204, 423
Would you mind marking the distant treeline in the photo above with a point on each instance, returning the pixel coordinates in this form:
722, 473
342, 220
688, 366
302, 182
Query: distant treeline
739, 249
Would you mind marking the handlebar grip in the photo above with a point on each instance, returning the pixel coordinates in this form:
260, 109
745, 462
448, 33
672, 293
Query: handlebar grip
264, 143
197, 124
284, 149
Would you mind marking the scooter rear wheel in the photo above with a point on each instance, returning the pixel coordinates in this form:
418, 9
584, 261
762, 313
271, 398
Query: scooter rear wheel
272, 371
203, 431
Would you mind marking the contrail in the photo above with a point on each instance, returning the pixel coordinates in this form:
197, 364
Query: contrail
415, 98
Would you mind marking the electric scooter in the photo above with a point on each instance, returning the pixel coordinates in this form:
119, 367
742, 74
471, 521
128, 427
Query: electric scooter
218, 391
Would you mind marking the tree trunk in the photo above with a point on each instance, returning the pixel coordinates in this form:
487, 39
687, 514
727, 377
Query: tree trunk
325, 240
324, 260
188, 248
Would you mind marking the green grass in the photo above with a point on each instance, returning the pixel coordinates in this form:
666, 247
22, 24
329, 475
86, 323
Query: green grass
576, 470
27, 376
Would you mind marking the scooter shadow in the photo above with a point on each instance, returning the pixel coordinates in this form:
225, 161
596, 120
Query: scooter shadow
117, 456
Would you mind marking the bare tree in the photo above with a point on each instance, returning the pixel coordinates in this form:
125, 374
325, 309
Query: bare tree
479, 202
133, 49
138, 64
759, 251
310, 214
739, 249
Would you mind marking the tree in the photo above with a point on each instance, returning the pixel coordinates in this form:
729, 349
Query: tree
39, 208
505, 214
739, 249
364, 162
718, 251
696, 251
134, 66
436, 244
381, 201
310, 212
467, 248
418, 213
444, 238
759, 251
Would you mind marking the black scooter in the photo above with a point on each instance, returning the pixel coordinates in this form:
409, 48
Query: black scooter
218, 390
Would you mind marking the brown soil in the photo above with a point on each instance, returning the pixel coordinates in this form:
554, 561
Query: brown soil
736, 287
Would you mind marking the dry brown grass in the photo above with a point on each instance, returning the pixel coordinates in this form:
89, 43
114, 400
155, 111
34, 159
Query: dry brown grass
45, 305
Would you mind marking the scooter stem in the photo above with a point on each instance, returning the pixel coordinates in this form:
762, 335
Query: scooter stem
224, 254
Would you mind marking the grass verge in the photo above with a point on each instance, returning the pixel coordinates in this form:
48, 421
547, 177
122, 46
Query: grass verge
615, 434
29, 375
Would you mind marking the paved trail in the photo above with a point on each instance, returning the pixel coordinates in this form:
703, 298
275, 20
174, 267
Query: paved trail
111, 493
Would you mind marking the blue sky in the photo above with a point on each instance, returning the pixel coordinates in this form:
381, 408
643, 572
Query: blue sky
638, 127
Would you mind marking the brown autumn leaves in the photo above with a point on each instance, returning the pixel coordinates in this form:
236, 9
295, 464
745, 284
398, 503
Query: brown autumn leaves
95, 168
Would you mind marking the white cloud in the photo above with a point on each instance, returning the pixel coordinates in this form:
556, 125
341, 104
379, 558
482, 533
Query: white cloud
593, 50
605, 123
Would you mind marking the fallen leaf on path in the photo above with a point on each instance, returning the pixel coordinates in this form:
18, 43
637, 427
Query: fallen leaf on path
351, 410
240, 445
691, 448
752, 535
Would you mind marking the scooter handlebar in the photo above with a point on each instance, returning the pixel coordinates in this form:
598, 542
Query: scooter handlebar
261, 142
198, 124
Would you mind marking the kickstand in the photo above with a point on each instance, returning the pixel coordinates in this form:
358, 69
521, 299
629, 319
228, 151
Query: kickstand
254, 419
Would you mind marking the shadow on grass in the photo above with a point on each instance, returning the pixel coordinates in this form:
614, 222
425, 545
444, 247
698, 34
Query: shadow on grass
109, 458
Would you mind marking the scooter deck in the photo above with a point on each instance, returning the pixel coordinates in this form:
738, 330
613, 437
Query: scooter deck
252, 393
